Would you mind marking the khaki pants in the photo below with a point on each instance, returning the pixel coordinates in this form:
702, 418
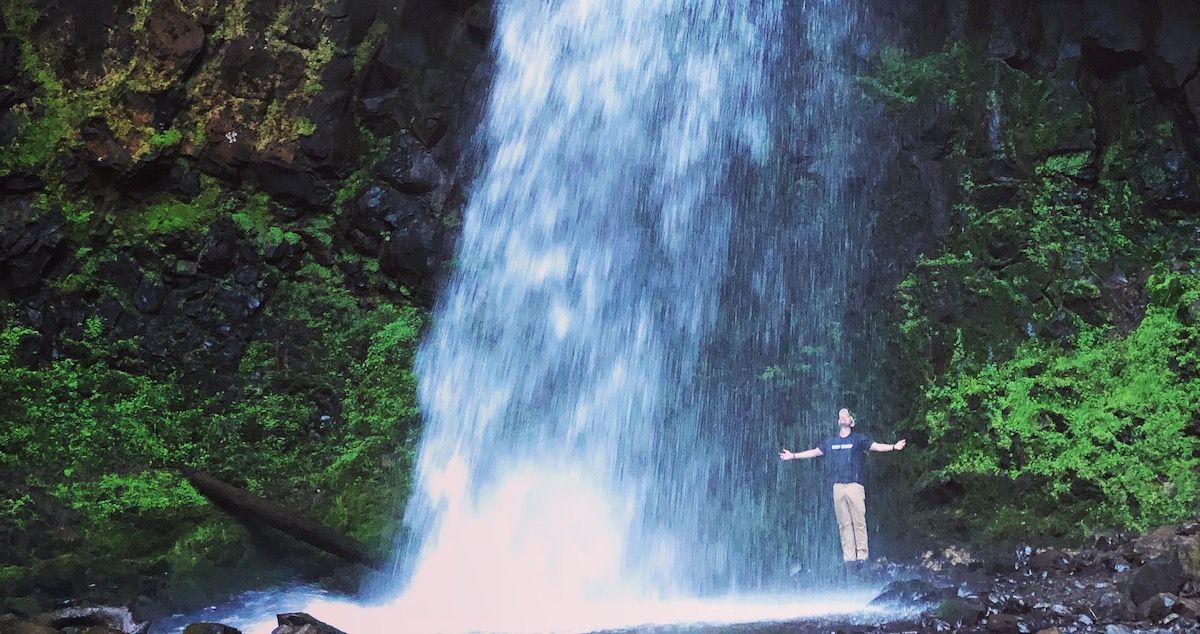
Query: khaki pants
850, 506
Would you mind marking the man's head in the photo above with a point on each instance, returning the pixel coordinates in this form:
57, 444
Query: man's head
844, 418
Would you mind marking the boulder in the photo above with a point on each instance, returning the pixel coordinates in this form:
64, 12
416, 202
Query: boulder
107, 617
1162, 575
301, 623
910, 591
960, 612
1157, 607
1114, 606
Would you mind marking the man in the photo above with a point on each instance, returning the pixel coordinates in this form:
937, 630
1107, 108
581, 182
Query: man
846, 450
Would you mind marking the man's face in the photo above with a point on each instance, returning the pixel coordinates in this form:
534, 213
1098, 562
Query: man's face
844, 419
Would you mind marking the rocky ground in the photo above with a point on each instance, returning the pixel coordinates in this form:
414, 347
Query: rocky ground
1116, 584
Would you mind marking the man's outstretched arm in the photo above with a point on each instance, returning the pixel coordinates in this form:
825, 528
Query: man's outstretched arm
878, 446
800, 455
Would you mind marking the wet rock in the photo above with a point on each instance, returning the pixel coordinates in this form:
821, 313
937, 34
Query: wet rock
301, 623
1114, 606
1176, 53
220, 248
1049, 559
908, 592
410, 167
101, 146
210, 628
1157, 607
29, 252
1189, 607
1115, 25
107, 617
410, 254
1163, 575
960, 612
148, 298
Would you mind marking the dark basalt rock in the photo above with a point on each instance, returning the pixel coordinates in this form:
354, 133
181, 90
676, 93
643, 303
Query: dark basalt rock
910, 591
411, 167
30, 252
149, 297
1163, 575
115, 619
301, 623
1157, 607
175, 38
1114, 606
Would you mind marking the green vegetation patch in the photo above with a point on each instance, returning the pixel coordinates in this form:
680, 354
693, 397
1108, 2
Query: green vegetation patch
1098, 434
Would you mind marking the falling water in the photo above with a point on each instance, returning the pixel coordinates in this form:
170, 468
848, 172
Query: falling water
573, 450
556, 376
663, 216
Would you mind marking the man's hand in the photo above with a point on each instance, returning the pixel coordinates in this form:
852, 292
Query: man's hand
900, 444
786, 455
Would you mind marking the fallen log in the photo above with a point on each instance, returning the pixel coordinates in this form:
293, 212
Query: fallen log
245, 505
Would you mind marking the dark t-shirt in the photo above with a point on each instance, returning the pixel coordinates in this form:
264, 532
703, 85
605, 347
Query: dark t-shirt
846, 456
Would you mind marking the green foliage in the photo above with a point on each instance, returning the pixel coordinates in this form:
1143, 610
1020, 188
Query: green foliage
1096, 435
173, 214
165, 139
901, 81
95, 436
305, 127
324, 420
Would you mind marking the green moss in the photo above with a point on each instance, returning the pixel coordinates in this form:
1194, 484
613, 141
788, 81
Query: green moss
52, 116
305, 127
901, 81
315, 62
141, 12
173, 214
369, 44
165, 139
254, 217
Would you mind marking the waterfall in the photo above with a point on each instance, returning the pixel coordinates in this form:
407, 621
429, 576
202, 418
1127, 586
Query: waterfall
557, 374
664, 221
576, 445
